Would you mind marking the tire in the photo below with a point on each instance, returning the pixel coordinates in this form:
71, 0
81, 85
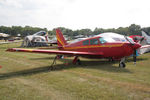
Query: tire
111, 60
122, 65
78, 62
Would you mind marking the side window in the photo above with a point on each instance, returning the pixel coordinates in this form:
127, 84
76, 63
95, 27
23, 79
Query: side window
86, 42
93, 41
102, 41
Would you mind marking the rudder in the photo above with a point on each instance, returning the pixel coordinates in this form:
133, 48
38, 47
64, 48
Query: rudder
61, 42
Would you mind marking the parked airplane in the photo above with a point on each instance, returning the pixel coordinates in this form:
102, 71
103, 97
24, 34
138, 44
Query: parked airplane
93, 47
3, 35
38, 39
146, 36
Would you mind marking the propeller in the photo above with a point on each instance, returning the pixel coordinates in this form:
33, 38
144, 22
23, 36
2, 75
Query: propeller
132, 43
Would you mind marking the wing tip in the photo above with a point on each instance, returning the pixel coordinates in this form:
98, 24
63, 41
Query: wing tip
10, 50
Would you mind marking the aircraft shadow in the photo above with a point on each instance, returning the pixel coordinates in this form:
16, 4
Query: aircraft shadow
103, 65
138, 59
100, 65
43, 58
24, 72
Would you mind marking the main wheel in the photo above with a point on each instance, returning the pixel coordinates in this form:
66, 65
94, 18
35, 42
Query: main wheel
78, 62
110, 59
122, 65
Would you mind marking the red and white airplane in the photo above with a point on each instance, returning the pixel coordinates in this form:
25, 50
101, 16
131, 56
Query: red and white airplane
93, 47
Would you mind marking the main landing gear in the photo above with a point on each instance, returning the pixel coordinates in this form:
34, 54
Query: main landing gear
122, 63
75, 61
54, 62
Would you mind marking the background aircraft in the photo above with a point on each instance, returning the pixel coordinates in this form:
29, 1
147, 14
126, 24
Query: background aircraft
138, 38
7, 39
3, 35
145, 46
38, 39
93, 47
146, 36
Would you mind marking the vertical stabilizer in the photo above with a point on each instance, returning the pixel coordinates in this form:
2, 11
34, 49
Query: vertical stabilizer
46, 37
61, 42
146, 36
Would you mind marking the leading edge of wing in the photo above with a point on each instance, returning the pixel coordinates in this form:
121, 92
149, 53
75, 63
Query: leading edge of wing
72, 53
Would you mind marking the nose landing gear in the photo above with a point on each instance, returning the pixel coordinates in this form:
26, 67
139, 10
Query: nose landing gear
122, 63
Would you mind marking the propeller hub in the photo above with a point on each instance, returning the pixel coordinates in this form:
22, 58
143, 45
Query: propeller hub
136, 46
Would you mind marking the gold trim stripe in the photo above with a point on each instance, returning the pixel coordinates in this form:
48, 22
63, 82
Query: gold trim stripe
58, 38
94, 46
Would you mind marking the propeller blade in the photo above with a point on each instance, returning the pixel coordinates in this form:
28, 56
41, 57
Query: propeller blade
132, 43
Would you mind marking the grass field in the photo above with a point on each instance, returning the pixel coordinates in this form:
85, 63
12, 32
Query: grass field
25, 76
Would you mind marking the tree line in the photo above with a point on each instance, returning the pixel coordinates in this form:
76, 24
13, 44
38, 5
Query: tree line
133, 29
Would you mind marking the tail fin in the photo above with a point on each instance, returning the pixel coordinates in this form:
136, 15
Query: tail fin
46, 37
61, 42
144, 34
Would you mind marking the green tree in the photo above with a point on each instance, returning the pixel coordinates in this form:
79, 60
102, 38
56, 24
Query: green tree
135, 29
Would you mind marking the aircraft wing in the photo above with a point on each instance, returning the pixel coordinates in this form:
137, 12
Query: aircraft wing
57, 52
49, 42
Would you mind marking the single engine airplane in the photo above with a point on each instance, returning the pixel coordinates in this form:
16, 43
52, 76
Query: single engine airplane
38, 39
93, 47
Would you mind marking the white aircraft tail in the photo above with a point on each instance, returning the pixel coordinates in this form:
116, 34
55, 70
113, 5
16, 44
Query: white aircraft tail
146, 36
46, 37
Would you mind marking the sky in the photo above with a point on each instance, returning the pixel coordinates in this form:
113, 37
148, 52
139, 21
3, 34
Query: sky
75, 14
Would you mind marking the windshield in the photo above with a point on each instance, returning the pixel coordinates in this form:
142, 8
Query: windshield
130, 40
104, 39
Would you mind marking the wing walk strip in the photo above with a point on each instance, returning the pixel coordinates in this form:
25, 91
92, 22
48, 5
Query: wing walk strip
114, 82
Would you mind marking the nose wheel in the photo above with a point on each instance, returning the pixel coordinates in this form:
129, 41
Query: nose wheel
122, 63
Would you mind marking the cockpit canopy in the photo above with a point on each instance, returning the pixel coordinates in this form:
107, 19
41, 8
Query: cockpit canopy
40, 33
114, 37
104, 38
